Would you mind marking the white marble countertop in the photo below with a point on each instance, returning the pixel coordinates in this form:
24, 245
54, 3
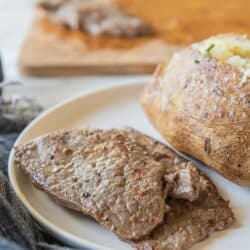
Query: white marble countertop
15, 19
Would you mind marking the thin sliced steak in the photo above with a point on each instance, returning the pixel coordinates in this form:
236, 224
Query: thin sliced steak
97, 17
189, 222
181, 176
196, 208
102, 174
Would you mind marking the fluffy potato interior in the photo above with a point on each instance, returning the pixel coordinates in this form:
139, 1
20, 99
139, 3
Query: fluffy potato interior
229, 48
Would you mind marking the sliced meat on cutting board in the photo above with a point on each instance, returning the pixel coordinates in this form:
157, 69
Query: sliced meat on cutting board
102, 174
97, 18
51, 49
91, 37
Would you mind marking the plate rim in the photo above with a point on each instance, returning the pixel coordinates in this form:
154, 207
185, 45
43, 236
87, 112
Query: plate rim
54, 230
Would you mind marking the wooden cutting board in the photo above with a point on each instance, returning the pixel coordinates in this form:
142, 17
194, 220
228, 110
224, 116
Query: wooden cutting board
50, 49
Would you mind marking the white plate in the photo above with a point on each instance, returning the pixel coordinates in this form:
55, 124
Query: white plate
112, 107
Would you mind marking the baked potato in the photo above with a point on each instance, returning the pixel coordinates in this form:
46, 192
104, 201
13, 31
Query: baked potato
200, 103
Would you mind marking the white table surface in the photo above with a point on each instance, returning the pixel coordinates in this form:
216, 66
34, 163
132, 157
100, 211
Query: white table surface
15, 20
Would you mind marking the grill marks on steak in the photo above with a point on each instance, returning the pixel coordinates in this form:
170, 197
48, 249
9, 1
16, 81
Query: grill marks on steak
196, 208
103, 174
97, 18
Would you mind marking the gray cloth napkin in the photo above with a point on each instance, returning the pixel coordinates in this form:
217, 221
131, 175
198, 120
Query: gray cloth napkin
17, 229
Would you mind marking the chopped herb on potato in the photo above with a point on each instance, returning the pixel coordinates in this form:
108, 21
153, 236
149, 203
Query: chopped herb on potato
208, 50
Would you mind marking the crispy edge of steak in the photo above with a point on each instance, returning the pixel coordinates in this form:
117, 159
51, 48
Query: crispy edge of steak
192, 217
102, 174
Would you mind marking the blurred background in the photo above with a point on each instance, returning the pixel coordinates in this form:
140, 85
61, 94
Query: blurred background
38, 45
15, 21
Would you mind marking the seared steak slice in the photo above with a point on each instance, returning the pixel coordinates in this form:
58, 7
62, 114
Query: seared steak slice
117, 176
98, 18
190, 222
51, 5
196, 208
99, 173
181, 176
109, 19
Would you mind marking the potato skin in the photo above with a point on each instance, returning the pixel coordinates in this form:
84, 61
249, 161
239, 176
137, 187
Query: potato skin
201, 107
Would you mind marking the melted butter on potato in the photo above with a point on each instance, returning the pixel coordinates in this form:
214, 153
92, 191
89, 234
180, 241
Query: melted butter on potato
228, 48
